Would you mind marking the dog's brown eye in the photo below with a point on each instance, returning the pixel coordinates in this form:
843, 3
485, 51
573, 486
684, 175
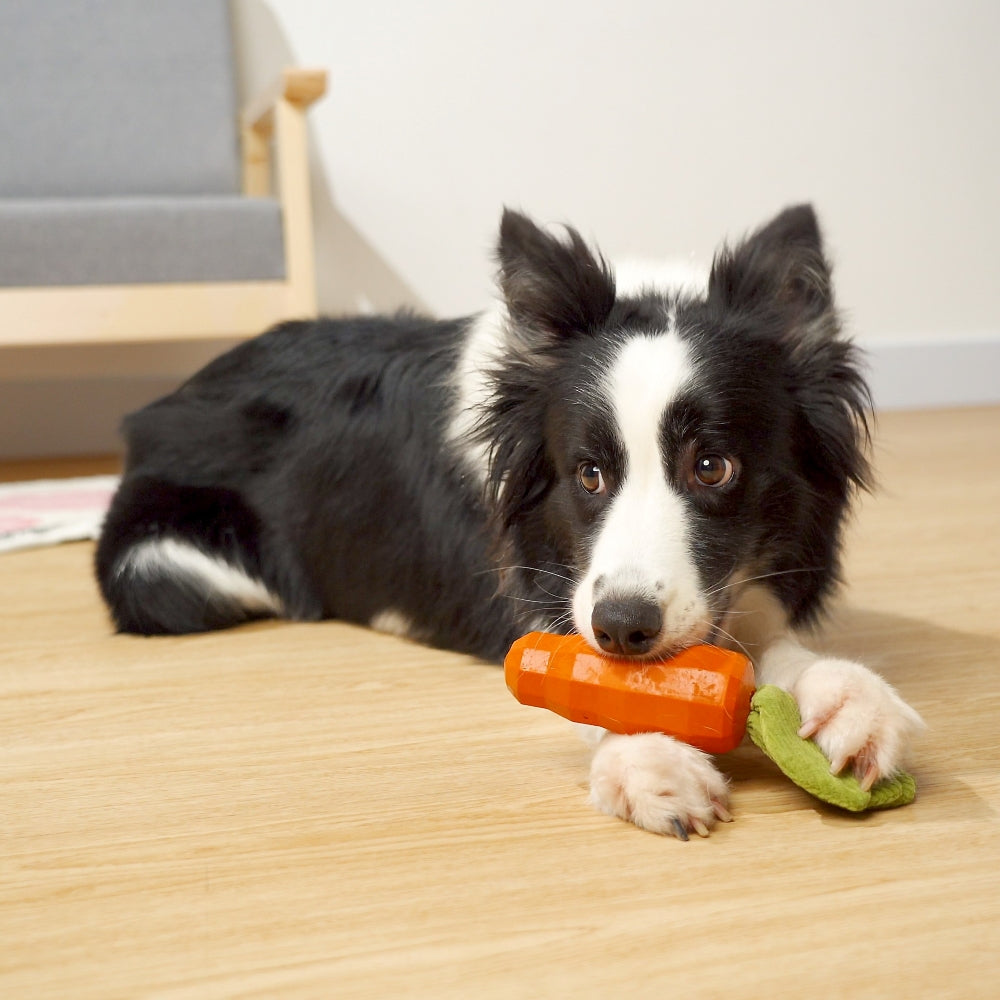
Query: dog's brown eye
591, 479
714, 470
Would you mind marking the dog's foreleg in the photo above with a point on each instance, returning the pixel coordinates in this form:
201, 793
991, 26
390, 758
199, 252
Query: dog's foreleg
855, 716
657, 783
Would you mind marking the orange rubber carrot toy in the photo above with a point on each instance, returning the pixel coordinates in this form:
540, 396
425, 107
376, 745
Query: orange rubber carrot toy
701, 696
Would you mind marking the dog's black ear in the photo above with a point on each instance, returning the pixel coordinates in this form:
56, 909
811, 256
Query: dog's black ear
551, 286
780, 266
780, 279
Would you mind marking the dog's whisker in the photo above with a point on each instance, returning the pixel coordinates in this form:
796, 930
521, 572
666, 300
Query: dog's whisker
763, 576
532, 600
556, 614
724, 579
541, 609
732, 638
558, 623
530, 569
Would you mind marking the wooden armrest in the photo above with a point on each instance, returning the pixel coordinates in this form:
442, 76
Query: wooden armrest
279, 114
297, 85
295, 89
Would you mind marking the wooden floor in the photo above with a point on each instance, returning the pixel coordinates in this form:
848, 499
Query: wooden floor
316, 810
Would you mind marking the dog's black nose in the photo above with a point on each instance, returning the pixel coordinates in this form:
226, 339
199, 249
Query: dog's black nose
626, 627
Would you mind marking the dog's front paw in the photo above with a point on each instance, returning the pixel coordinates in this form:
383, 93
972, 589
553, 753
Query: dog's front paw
659, 784
856, 718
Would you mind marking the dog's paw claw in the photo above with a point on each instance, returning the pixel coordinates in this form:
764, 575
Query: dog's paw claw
856, 718
809, 729
699, 828
722, 814
658, 784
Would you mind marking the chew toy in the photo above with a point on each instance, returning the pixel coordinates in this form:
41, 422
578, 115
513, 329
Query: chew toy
700, 696
703, 696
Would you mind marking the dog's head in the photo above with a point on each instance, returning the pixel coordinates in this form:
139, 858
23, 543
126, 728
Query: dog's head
659, 449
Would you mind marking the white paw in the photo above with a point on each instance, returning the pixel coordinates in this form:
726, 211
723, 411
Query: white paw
659, 784
856, 718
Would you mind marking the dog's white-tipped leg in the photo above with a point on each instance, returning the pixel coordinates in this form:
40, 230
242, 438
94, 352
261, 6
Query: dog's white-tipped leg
659, 784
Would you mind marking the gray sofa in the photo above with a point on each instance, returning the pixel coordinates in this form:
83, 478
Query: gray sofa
127, 174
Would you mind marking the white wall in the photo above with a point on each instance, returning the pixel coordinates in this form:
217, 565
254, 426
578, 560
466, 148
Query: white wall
657, 127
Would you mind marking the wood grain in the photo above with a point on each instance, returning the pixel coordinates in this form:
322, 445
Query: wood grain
319, 811
131, 314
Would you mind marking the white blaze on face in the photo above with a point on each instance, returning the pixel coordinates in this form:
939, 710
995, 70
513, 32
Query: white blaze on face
642, 548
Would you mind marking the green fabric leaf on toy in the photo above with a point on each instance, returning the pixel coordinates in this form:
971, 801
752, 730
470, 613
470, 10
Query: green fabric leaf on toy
773, 725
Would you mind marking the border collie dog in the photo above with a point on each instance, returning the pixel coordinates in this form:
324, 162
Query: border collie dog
650, 464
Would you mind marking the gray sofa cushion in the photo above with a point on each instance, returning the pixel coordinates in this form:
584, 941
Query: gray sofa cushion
117, 97
55, 241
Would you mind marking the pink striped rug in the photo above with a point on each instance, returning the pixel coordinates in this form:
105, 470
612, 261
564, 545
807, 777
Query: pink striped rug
48, 511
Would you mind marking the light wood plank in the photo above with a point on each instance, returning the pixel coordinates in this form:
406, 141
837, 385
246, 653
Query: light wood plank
299, 85
291, 152
319, 811
135, 313
256, 161
296, 86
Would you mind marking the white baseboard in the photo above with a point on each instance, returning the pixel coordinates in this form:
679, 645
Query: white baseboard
923, 373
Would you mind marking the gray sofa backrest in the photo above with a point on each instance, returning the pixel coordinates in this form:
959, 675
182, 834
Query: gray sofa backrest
117, 97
